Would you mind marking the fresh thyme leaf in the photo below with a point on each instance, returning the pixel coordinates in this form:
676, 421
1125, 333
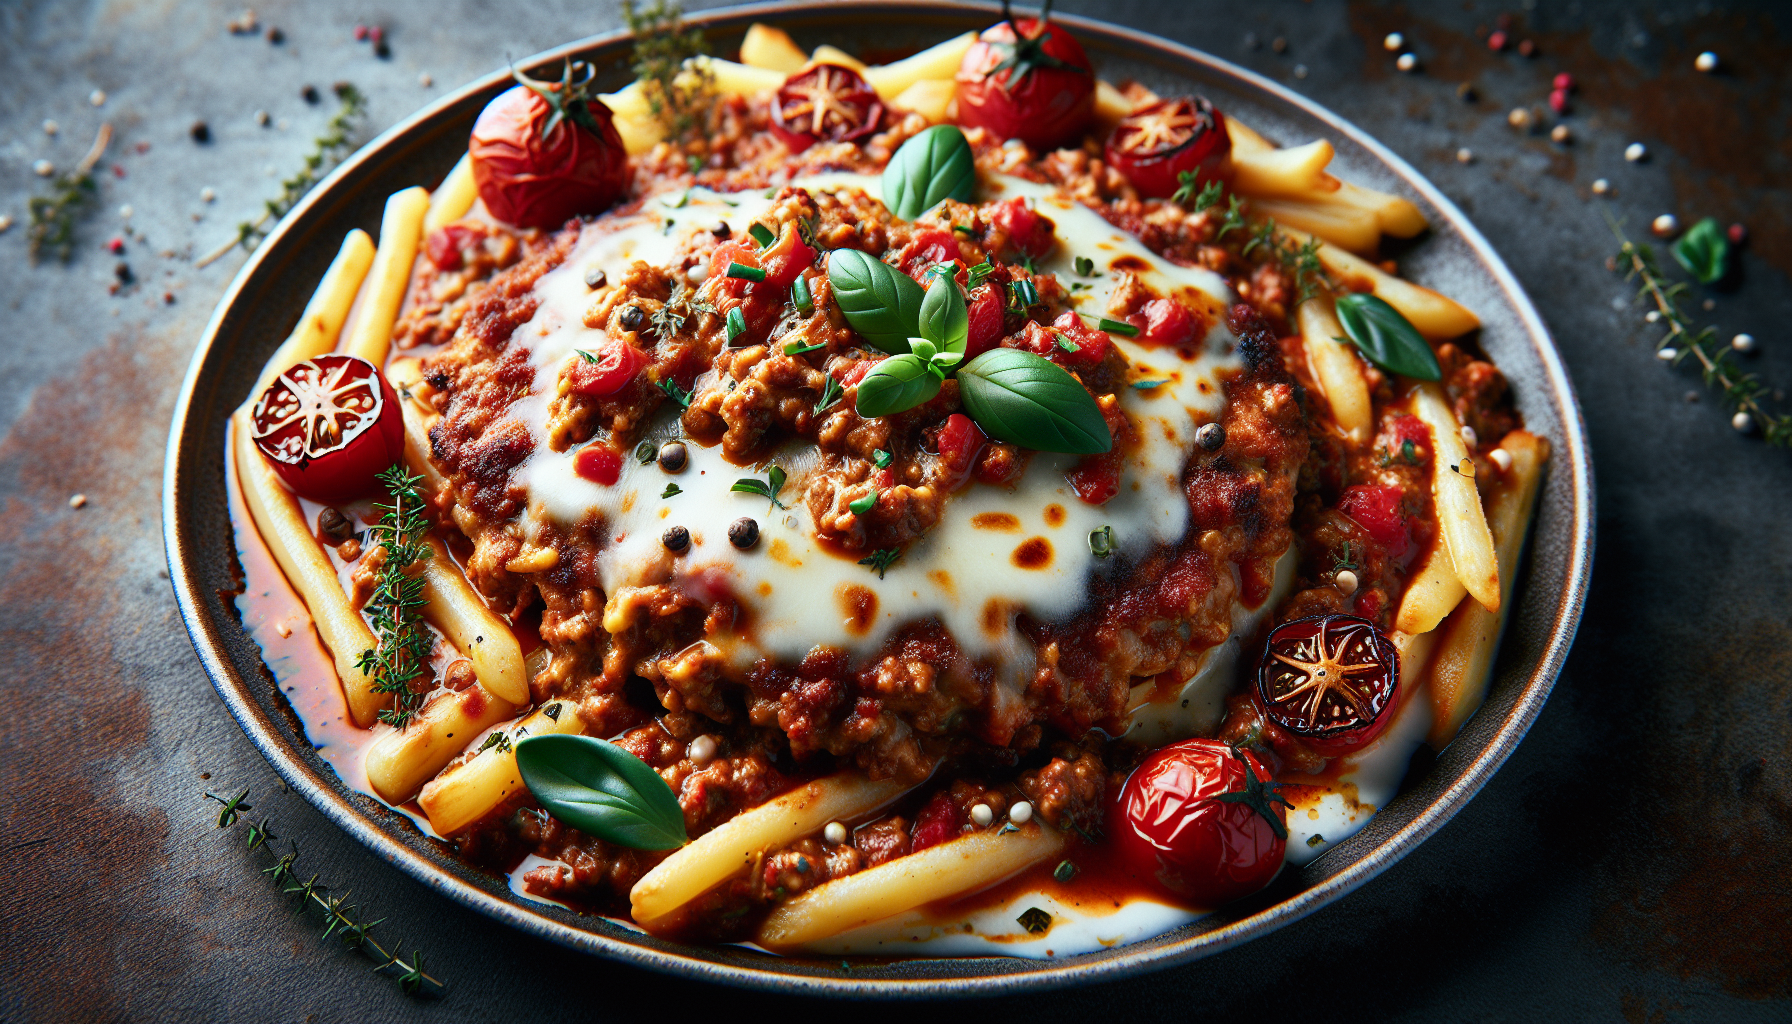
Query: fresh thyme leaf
53, 217
680, 95
1343, 559
763, 488
863, 505
1208, 196
882, 559
831, 393
395, 611
671, 490
682, 305
676, 393
1264, 234
796, 348
1232, 219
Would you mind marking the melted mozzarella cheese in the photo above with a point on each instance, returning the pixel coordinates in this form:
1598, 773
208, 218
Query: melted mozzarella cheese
968, 570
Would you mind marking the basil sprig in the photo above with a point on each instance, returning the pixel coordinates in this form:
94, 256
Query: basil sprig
601, 790
1704, 251
904, 381
1029, 400
930, 167
898, 383
880, 302
1388, 339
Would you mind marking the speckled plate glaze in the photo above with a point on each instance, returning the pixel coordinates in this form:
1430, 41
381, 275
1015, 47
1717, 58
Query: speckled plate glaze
268, 294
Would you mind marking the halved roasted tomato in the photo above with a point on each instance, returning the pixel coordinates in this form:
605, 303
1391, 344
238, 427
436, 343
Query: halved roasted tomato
1157, 143
328, 426
826, 102
1330, 680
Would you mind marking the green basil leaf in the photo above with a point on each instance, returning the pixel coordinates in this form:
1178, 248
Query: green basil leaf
601, 790
897, 384
944, 319
880, 302
1704, 251
1028, 400
1388, 339
930, 167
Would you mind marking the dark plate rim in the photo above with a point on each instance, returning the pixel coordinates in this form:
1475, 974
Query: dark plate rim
1571, 467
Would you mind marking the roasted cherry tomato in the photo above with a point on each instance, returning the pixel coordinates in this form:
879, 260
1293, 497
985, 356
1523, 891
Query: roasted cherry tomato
1157, 143
1027, 80
826, 102
328, 426
606, 371
545, 152
1202, 820
1330, 680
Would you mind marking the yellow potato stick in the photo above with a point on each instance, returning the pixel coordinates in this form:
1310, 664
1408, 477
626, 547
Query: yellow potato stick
728, 850
322, 320
400, 231
929, 97
733, 79
1461, 523
772, 49
967, 864
283, 528
1344, 226
1415, 654
1292, 173
401, 761
467, 792
1459, 675
1436, 317
454, 607
938, 62
1245, 138
629, 102
454, 198
1432, 593
826, 54
639, 135
1110, 103
1337, 368
416, 449
1396, 216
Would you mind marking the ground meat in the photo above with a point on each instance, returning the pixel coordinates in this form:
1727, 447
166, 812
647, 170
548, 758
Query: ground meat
1070, 792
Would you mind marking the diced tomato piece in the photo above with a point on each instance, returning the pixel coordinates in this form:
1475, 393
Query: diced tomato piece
599, 464
986, 314
1397, 431
787, 257
1376, 508
616, 365
928, 248
1165, 322
1095, 478
1029, 233
960, 441
1369, 604
858, 371
1091, 345
447, 245
937, 822
744, 253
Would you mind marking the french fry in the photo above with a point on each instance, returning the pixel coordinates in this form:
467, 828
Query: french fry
416, 449
939, 61
454, 198
772, 49
1396, 216
467, 792
1293, 173
728, 850
1415, 651
1337, 369
283, 528
825, 54
1432, 593
961, 865
929, 97
1245, 138
1437, 318
1459, 675
400, 762
400, 231
1461, 523
321, 322
733, 79
452, 605
1345, 226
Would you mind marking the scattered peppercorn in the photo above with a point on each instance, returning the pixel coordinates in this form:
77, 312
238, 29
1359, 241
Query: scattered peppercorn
1560, 134
1743, 343
1211, 437
1466, 92
1526, 48
1558, 101
333, 526
673, 456
360, 33
1635, 152
632, 318
1393, 42
123, 273
1563, 81
722, 231
275, 36
677, 539
115, 246
1496, 41
1706, 62
595, 277
201, 132
309, 93
743, 533
1737, 234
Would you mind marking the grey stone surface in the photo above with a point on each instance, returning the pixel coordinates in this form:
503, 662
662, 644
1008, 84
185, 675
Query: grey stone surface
1630, 860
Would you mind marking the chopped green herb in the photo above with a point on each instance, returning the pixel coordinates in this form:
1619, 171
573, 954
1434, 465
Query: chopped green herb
1035, 921
1118, 327
882, 559
1022, 295
964, 229
1147, 385
1344, 559
1066, 344
588, 357
1101, 542
978, 274
1085, 267
762, 234
672, 490
746, 273
1208, 196
736, 324
881, 459
1315, 840
1232, 219
496, 739
1064, 872
676, 200
693, 163
797, 348
769, 491
1264, 234
865, 504
645, 452
800, 294
831, 393
673, 391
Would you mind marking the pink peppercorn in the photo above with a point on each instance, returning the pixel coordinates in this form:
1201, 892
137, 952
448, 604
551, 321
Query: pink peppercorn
377, 34
1496, 41
1558, 101
115, 246
360, 32
1564, 82
1737, 233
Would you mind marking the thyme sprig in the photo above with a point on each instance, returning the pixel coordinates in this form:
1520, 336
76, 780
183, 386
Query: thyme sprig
329, 148
396, 608
679, 95
1742, 391
341, 918
53, 217
1300, 261
683, 305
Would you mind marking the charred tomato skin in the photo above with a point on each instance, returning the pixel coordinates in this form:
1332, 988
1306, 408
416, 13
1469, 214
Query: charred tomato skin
1169, 827
1311, 683
849, 108
536, 181
1046, 106
1149, 148
339, 461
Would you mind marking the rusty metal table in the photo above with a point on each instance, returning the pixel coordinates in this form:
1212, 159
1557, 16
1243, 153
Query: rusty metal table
1633, 859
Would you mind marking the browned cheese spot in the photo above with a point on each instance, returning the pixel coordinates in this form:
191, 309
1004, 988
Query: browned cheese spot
1033, 553
1136, 264
1002, 521
860, 605
943, 579
1054, 515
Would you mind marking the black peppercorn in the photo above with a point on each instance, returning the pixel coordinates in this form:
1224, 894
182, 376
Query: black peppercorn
595, 277
722, 231
1211, 436
201, 132
333, 526
743, 533
309, 93
632, 318
676, 539
673, 456
276, 36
